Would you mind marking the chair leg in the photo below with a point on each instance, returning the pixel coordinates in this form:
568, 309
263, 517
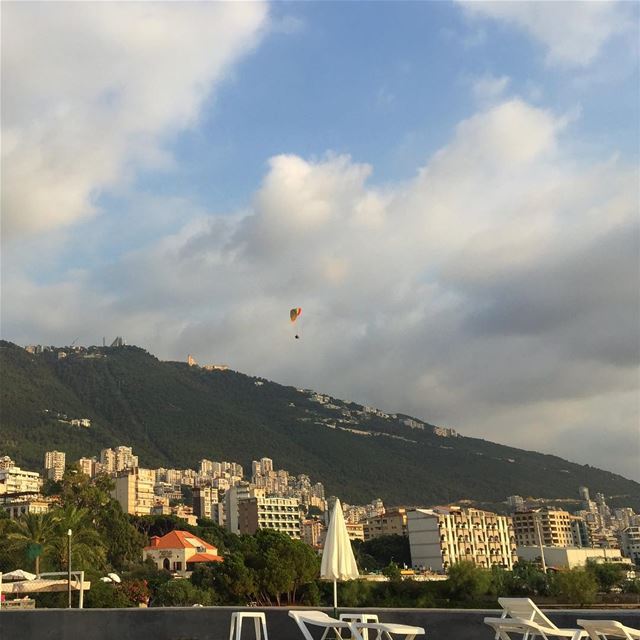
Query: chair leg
233, 624
238, 628
256, 626
264, 628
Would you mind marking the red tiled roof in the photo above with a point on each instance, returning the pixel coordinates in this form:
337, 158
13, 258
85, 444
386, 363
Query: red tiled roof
180, 540
204, 557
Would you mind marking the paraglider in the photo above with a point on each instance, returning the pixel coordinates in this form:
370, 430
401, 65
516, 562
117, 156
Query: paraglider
294, 314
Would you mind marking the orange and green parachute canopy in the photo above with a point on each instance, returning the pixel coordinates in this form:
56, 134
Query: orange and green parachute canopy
294, 314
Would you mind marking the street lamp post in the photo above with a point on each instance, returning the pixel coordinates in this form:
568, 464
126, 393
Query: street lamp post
69, 566
540, 543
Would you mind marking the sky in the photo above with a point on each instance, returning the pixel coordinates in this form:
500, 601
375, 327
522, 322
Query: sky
448, 190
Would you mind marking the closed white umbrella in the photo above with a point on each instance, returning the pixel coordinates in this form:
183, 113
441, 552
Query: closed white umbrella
338, 561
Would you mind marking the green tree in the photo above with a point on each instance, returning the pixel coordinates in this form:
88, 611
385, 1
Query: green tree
106, 595
32, 537
392, 572
278, 574
88, 550
467, 582
607, 574
306, 566
124, 542
182, 593
79, 490
527, 579
384, 550
576, 586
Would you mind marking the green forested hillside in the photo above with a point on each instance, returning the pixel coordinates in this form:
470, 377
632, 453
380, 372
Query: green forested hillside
174, 415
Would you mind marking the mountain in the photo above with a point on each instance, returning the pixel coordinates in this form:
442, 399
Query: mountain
173, 415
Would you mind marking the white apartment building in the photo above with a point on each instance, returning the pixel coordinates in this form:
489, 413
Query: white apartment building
54, 463
631, 544
88, 466
279, 514
17, 480
125, 458
232, 498
134, 491
108, 460
441, 536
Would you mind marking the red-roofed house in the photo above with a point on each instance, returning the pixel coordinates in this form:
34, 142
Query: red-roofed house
179, 551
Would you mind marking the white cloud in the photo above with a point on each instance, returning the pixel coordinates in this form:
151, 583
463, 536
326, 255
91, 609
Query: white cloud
489, 88
574, 33
496, 291
92, 90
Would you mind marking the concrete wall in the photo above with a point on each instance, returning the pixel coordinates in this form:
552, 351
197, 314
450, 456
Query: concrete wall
212, 623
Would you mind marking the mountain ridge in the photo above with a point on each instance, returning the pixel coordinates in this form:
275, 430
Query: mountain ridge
174, 414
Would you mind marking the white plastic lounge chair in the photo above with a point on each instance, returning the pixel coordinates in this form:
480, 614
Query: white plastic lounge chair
321, 619
606, 629
505, 629
386, 630
526, 610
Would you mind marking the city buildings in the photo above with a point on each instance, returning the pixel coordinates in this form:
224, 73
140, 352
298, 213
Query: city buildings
279, 514
392, 522
547, 527
179, 551
203, 500
630, 543
16, 480
442, 536
134, 491
21, 506
313, 532
88, 466
54, 463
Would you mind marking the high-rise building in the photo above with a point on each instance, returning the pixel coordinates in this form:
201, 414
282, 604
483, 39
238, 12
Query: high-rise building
442, 536
134, 491
392, 522
279, 514
54, 462
232, 497
203, 500
125, 458
88, 466
630, 539
108, 460
313, 532
545, 526
583, 492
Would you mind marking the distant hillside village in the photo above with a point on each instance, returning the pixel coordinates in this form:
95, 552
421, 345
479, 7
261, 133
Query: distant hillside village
270, 498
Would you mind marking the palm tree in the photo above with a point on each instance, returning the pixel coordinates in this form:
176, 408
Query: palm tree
32, 536
87, 548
